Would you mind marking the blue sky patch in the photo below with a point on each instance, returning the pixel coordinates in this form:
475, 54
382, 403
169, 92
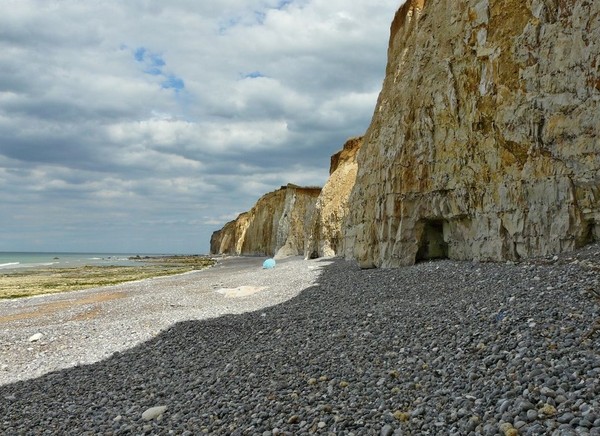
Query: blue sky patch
142, 54
139, 54
173, 82
153, 71
283, 3
253, 75
154, 64
155, 60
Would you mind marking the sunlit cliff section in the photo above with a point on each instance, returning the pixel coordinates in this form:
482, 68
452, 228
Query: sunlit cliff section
275, 226
324, 233
484, 143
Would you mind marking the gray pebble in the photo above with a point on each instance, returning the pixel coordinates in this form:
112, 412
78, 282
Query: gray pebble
520, 424
526, 405
532, 415
386, 430
566, 418
431, 359
504, 406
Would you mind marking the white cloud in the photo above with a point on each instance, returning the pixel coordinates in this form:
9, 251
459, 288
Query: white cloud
246, 135
114, 113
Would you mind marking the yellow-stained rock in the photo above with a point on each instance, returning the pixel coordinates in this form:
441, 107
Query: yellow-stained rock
230, 238
275, 226
401, 416
485, 141
325, 231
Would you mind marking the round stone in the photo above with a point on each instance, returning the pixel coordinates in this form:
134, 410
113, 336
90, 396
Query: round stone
153, 412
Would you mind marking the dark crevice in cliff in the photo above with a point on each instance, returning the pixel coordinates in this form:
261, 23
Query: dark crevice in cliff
591, 232
432, 244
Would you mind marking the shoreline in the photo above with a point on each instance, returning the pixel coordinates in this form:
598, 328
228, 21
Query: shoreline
88, 325
41, 280
16, 260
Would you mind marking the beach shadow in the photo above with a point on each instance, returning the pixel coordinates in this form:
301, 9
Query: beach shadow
346, 352
187, 361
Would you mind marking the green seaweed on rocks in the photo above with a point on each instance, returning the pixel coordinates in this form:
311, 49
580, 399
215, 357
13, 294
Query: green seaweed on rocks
49, 280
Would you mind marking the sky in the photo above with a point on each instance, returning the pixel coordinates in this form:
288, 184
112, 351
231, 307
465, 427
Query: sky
143, 126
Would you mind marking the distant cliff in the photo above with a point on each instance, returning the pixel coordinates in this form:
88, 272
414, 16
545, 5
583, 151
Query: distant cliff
230, 238
485, 142
325, 237
294, 220
275, 226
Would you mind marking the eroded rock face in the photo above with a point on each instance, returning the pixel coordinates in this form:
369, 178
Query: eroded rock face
275, 226
230, 238
298, 209
484, 142
325, 236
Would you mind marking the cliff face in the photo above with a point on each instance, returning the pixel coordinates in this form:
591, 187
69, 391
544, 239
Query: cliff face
485, 140
298, 209
275, 226
229, 239
325, 230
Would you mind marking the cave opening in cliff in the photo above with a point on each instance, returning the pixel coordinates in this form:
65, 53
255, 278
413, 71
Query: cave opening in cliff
432, 244
591, 232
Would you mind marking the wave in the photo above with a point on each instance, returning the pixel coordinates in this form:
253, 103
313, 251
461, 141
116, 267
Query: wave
9, 264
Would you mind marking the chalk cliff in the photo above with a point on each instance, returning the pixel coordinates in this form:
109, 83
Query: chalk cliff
230, 238
324, 234
275, 226
485, 142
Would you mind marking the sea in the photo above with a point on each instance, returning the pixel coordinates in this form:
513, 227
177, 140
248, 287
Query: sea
18, 260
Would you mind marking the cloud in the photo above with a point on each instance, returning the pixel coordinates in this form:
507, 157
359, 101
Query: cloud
142, 124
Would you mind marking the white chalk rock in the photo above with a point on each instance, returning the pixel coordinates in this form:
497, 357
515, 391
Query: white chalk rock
36, 337
153, 412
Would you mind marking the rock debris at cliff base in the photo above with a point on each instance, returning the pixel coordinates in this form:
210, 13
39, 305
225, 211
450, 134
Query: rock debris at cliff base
438, 348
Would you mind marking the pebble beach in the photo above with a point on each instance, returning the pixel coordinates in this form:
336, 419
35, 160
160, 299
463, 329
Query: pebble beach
313, 347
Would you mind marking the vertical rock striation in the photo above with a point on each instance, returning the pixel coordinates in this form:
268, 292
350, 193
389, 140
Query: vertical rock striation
298, 209
230, 238
485, 140
275, 226
324, 236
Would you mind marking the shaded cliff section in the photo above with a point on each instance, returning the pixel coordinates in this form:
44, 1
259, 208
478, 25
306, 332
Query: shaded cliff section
295, 220
275, 226
485, 141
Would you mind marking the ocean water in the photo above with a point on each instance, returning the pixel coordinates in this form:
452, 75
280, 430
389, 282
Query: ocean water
18, 260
